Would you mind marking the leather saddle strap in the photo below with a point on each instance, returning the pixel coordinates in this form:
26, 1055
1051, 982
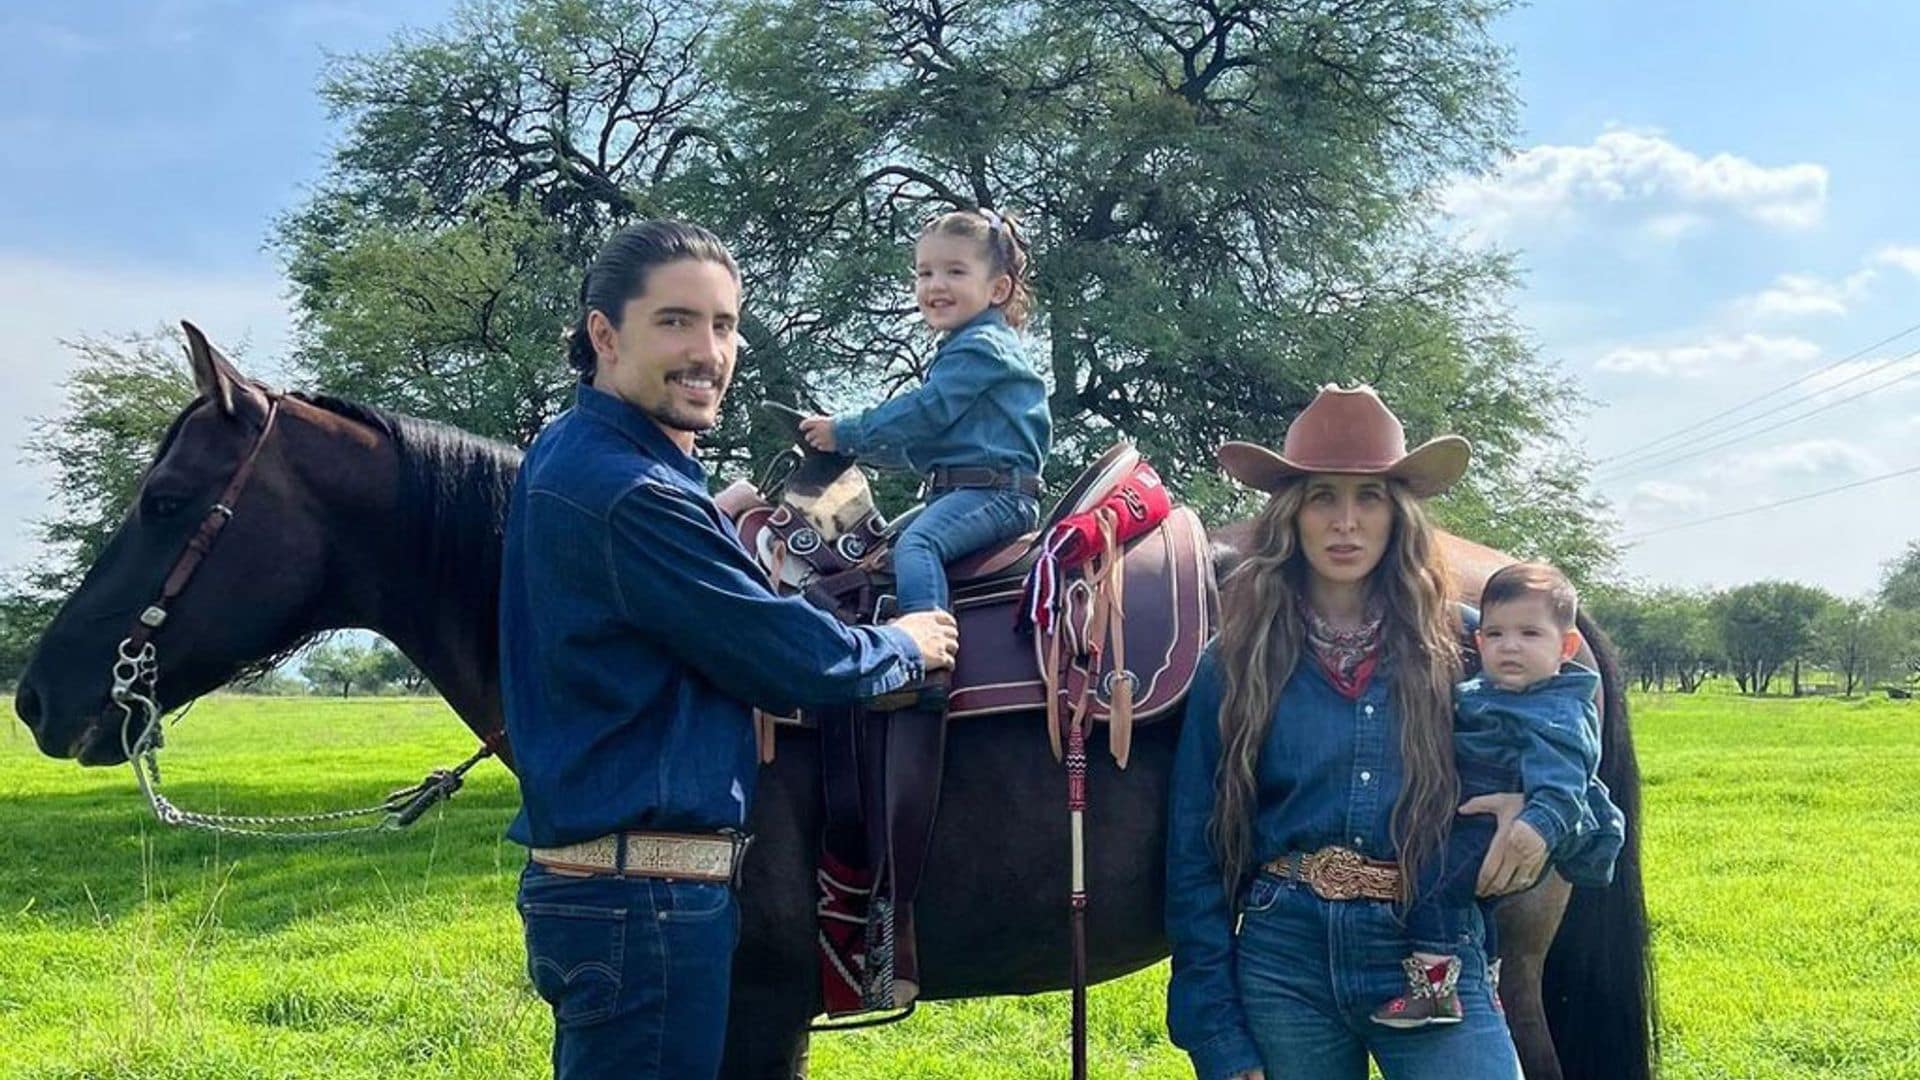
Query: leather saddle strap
1120, 692
841, 785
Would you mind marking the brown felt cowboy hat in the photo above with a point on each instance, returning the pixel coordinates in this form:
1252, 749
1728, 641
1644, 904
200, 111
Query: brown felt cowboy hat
1349, 431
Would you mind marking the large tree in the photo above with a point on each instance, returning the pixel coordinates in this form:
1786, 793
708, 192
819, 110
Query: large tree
1900, 585
1857, 641
1765, 626
1229, 205
119, 400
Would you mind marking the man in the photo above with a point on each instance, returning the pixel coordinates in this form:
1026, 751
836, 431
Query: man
636, 636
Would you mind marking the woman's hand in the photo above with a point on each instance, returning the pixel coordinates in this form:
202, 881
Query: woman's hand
1518, 855
818, 431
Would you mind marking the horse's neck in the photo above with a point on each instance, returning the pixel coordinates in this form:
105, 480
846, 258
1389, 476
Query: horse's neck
442, 616
454, 648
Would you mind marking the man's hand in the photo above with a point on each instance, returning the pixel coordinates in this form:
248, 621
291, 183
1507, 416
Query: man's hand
1518, 855
818, 431
937, 635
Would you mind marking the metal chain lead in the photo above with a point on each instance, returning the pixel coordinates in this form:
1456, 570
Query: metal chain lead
133, 678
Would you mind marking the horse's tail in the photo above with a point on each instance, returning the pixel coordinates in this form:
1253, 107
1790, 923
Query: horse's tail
1598, 982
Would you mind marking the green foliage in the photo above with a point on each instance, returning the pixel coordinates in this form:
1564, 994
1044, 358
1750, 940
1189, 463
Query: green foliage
392, 667
23, 614
1662, 633
341, 667
1228, 209
1900, 587
120, 399
458, 322
1765, 625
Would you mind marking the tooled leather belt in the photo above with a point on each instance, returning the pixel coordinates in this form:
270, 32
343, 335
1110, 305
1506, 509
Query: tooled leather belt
1337, 873
709, 857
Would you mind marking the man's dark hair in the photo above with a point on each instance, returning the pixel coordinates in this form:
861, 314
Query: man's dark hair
619, 273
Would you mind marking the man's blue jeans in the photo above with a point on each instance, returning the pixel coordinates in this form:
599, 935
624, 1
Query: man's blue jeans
636, 971
1312, 971
957, 523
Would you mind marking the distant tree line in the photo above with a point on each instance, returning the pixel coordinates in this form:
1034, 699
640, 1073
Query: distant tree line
1769, 633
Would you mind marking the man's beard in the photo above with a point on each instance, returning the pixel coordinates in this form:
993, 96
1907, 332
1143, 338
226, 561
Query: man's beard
678, 418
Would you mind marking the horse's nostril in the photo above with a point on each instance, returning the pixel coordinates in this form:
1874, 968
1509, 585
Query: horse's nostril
27, 704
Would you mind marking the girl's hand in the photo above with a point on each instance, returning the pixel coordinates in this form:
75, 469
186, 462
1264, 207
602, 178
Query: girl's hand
818, 431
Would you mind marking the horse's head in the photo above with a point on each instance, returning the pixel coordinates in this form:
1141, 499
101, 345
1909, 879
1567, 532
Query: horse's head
240, 474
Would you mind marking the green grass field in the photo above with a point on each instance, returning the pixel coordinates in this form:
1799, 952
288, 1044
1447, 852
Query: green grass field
1783, 850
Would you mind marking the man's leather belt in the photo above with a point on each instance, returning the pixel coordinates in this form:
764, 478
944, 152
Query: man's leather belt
949, 477
1337, 873
711, 857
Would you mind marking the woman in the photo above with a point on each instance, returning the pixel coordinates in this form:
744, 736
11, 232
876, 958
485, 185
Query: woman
1315, 772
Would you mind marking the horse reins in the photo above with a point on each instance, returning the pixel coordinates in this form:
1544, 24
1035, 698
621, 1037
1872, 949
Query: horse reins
135, 674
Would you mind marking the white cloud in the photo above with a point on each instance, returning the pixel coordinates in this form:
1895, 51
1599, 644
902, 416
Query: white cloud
1663, 189
43, 302
1800, 295
1826, 459
1663, 498
1714, 355
1906, 258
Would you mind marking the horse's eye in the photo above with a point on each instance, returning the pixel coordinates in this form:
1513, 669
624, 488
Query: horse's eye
164, 506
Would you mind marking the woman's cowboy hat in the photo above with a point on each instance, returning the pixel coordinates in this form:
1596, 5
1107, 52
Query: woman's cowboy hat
1349, 431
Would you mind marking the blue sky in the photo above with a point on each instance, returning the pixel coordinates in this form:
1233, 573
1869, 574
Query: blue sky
1711, 200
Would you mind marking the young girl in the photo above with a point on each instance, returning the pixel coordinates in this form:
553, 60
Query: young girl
979, 429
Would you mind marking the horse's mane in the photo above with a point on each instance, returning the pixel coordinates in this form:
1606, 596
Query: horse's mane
454, 488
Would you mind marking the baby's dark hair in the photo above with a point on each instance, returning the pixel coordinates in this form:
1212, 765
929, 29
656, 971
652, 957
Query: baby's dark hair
1522, 580
1006, 250
619, 273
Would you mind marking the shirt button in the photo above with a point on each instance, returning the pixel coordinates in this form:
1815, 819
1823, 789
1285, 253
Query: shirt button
1365, 777
1356, 842
1369, 710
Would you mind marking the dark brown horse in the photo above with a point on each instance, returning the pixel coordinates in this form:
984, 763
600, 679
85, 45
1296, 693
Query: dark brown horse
352, 517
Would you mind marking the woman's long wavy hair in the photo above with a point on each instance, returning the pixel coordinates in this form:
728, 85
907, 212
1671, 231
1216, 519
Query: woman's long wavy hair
1263, 632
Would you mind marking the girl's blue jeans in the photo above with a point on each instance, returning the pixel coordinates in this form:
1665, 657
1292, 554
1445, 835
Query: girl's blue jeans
956, 523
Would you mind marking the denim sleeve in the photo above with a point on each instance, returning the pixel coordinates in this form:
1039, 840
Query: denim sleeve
682, 580
1204, 1016
1559, 756
965, 369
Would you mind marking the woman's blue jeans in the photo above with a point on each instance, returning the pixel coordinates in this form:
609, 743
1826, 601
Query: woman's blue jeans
956, 523
1312, 971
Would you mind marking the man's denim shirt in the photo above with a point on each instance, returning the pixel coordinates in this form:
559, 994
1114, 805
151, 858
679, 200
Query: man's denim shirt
982, 405
636, 636
1549, 736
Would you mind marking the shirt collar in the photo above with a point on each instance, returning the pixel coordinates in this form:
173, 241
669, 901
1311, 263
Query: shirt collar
991, 316
638, 427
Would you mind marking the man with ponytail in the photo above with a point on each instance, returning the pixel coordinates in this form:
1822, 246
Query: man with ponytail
636, 638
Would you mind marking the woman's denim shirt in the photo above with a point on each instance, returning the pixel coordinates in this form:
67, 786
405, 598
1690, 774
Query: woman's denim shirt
982, 405
1329, 773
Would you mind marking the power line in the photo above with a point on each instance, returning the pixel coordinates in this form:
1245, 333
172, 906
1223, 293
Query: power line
1642, 449
1661, 463
1631, 540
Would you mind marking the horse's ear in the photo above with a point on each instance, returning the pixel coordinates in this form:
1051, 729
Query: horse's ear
213, 373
